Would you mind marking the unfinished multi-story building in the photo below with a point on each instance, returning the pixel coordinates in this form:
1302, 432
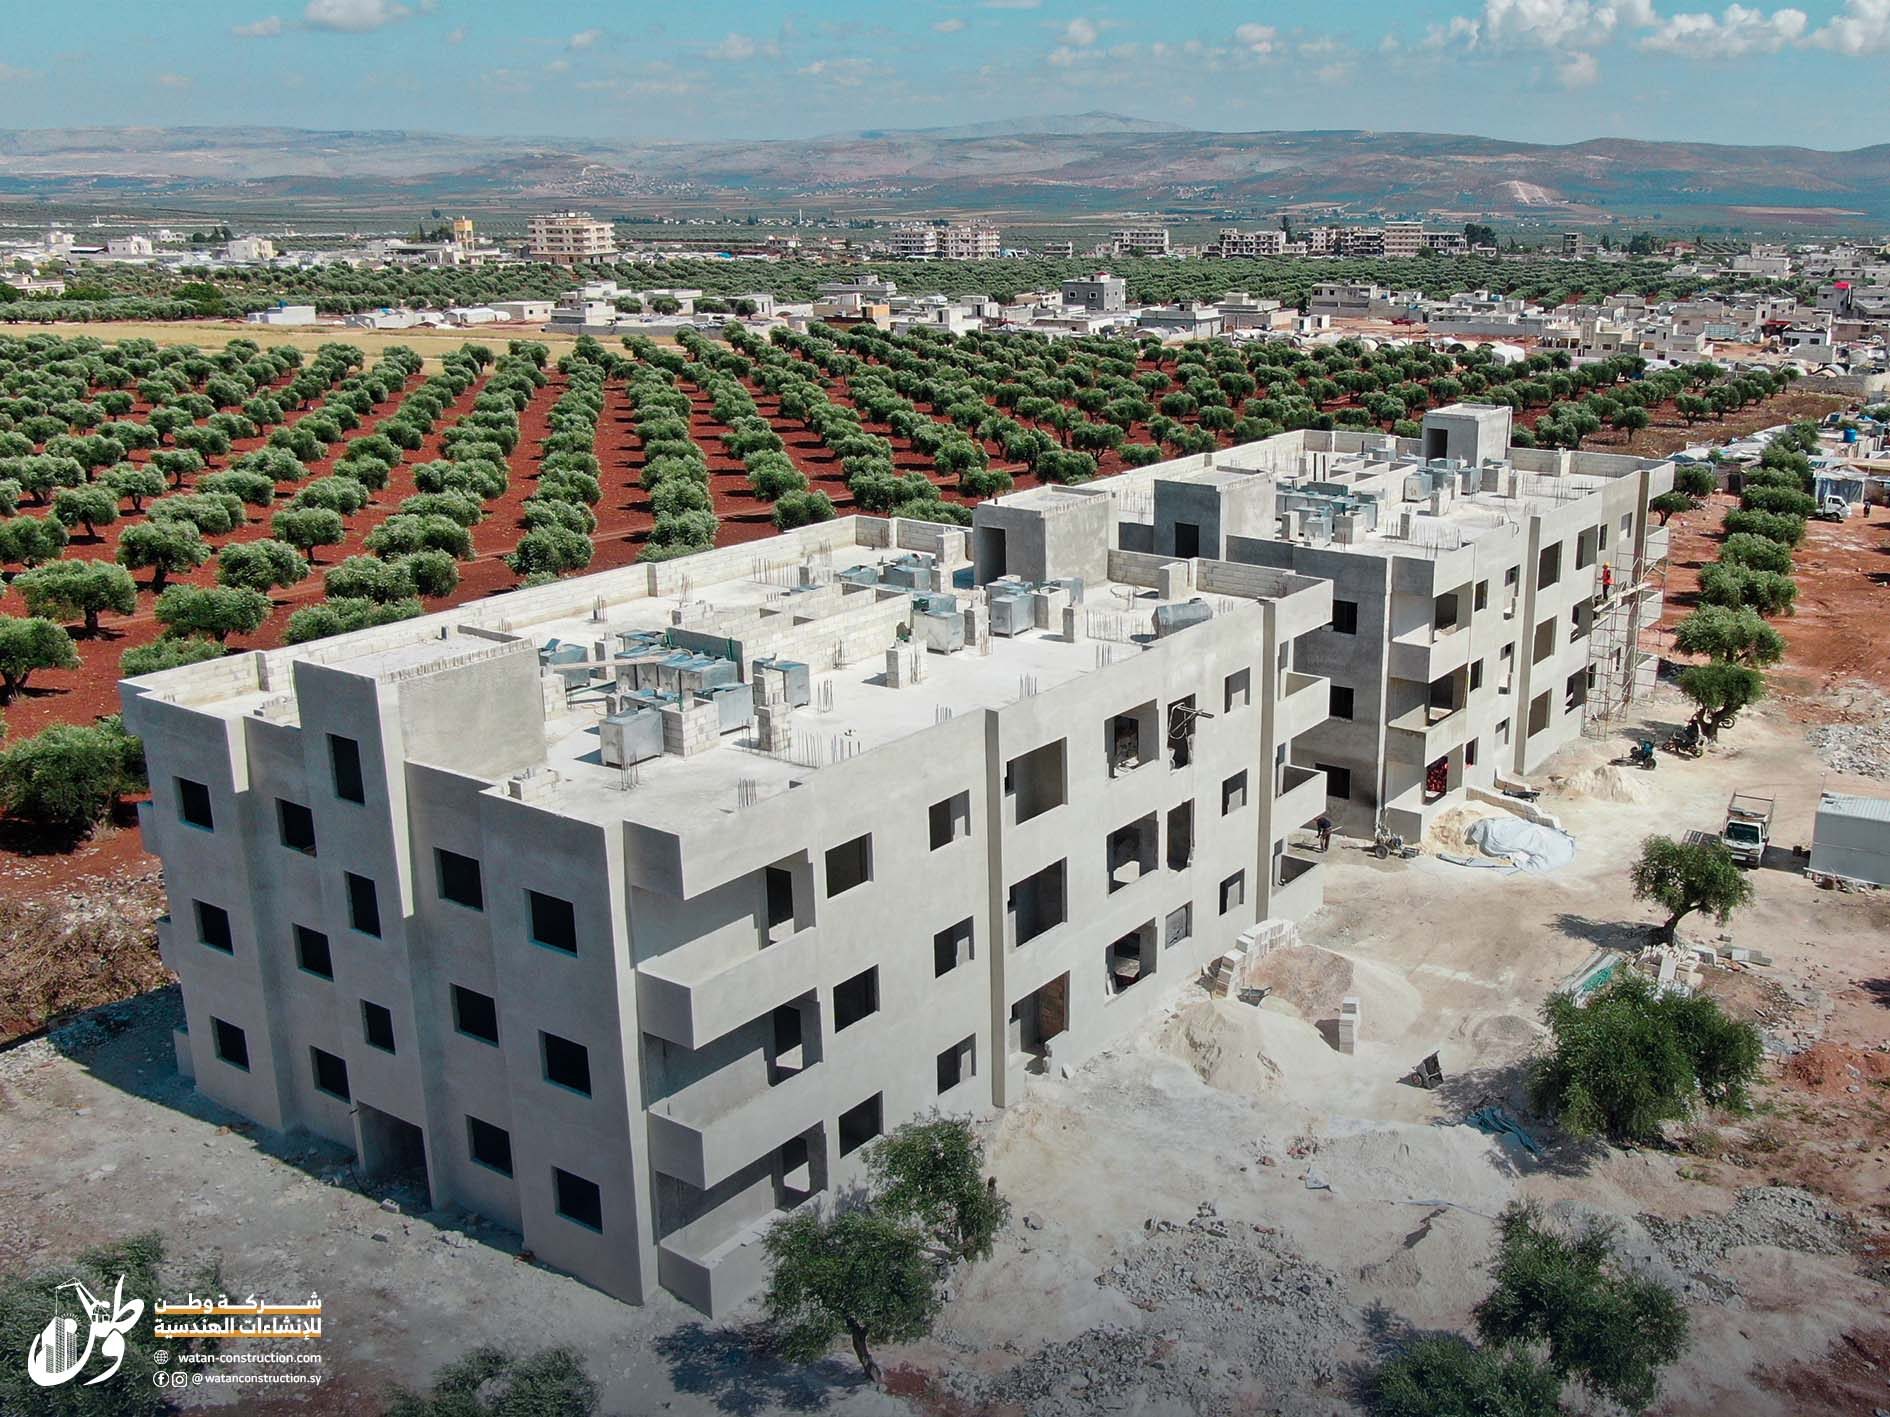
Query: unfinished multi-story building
1488, 600
629, 909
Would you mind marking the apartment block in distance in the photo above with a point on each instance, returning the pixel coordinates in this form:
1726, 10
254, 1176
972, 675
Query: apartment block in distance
629, 909
570, 239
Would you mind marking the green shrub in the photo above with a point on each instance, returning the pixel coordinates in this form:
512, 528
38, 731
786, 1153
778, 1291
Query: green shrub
801, 508
1756, 553
337, 617
1784, 501
70, 776
1446, 1377
217, 611
1787, 530
65, 590
550, 550
167, 652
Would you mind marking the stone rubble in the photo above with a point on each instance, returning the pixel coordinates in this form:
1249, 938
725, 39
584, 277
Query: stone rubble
1239, 1320
1861, 748
1782, 1217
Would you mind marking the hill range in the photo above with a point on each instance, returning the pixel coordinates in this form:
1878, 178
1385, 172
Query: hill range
1066, 164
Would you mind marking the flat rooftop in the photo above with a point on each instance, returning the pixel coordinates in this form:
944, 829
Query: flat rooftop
853, 708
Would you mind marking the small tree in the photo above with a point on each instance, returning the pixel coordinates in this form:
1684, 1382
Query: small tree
306, 528
29, 644
260, 565
64, 590
1682, 877
1634, 1058
1447, 1377
551, 550
874, 1273
136, 483
68, 777
165, 548
800, 508
1612, 1331
931, 1173
1696, 480
31, 540
1719, 691
864, 1275
90, 507
1669, 504
216, 611
1731, 635
489, 1382
167, 652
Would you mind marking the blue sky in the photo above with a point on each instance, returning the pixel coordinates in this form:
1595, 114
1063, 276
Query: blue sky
1544, 70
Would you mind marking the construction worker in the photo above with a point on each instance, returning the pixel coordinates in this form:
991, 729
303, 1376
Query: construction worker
1324, 827
1607, 580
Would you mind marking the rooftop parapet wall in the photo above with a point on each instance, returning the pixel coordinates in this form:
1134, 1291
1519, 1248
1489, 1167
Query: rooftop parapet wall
271, 671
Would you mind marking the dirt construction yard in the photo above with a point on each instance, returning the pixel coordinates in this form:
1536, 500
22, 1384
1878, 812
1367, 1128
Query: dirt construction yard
1224, 1216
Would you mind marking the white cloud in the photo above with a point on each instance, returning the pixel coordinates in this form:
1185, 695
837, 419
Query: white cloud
735, 48
1577, 69
1863, 28
1334, 73
1081, 32
1734, 34
267, 28
1550, 24
846, 73
1256, 39
951, 26
13, 74
558, 66
584, 39
456, 35
1010, 4
353, 16
174, 81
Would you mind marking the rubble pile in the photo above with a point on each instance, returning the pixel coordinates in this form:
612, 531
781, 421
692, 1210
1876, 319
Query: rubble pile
1782, 1217
1236, 1312
1861, 748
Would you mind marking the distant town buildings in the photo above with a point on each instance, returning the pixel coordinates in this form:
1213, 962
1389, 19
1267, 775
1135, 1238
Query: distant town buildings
570, 239
1139, 241
1101, 293
250, 250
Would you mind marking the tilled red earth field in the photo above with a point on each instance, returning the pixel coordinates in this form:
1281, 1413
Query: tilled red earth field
1829, 624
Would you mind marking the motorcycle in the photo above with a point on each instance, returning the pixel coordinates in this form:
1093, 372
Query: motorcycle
1687, 743
1641, 755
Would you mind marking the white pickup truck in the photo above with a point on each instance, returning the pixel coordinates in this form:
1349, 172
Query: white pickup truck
1833, 508
1748, 827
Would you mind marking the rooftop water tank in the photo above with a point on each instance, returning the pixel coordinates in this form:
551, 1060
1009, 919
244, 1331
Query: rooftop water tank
1171, 618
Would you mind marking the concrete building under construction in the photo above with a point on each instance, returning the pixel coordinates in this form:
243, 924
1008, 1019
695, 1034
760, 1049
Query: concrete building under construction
627, 910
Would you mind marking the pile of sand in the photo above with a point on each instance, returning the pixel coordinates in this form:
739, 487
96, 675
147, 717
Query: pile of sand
1607, 783
1449, 829
1222, 1043
1312, 980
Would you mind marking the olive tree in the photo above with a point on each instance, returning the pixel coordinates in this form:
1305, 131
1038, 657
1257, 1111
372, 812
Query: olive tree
31, 643
217, 611
66, 590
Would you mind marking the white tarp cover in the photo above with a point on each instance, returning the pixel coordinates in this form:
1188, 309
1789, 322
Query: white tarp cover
1523, 844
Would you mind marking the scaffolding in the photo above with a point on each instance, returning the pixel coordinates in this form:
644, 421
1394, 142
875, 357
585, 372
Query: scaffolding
1624, 635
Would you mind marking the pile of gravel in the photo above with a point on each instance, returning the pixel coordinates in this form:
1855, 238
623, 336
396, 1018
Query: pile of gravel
1236, 1314
1861, 748
1782, 1217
